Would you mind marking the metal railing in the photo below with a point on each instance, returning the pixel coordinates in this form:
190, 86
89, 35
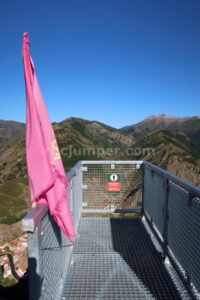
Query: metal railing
49, 251
74, 192
172, 208
111, 185
170, 205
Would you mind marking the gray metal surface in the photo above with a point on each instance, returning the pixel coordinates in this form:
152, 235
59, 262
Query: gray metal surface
172, 209
95, 185
33, 218
110, 162
116, 259
154, 199
55, 247
184, 233
75, 195
56, 254
49, 251
177, 180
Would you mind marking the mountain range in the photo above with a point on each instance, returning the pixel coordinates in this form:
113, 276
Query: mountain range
170, 142
10, 131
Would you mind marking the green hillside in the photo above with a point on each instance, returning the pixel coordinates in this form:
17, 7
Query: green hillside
173, 144
188, 126
173, 153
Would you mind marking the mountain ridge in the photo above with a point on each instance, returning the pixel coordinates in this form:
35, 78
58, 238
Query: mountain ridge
173, 146
10, 131
189, 126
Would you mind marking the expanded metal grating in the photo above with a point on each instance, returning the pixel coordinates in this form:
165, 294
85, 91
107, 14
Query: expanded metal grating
154, 198
173, 208
96, 193
184, 232
116, 259
55, 249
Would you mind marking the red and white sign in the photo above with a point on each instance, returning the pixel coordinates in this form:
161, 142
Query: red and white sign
113, 186
113, 182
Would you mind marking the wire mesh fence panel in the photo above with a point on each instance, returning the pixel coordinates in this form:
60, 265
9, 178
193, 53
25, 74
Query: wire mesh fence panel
184, 232
154, 199
49, 250
111, 186
173, 205
55, 257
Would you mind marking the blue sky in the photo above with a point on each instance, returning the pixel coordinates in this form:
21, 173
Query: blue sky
109, 60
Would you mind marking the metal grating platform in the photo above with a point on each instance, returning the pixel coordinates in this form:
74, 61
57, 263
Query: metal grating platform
116, 259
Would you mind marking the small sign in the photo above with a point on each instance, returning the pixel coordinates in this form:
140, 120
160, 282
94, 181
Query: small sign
113, 182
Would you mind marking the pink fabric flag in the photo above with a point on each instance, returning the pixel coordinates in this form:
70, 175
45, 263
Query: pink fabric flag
47, 179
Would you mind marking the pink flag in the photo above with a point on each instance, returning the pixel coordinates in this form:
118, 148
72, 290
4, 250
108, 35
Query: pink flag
47, 179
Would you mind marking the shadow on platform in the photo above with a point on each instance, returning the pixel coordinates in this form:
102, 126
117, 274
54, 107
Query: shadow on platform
133, 243
19, 291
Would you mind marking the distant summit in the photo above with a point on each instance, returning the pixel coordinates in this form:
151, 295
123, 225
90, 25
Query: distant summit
163, 116
189, 126
169, 117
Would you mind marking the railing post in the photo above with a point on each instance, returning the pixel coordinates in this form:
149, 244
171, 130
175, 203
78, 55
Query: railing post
81, 184
166, 216
143, 187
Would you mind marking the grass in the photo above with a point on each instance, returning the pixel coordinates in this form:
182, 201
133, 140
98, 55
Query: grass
11, 200
12, 219
3, 210
80, 128
11, 188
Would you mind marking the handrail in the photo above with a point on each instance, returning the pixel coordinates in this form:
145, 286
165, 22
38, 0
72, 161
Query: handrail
35, 215
115, 162
174, 219
72, 171
33, 218
173, 178
44, 236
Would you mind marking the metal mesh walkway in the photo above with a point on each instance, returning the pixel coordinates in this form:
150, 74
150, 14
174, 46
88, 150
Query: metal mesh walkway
116, 259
